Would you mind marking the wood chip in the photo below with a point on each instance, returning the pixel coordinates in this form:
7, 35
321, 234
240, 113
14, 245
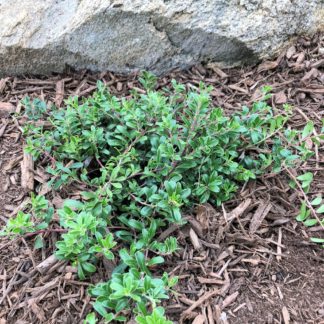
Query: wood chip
239, 89
212, 281
59, 93
38, 291
196, 226
229, 299
200, 319
46, 264
318, 90
285, 315
210, 315
267, 65
318, 63
313, 73
261, 212
290, 52
217, 70
3, 127
300, 58
27, 172
40, 314
194, 239
239, 210
3, 84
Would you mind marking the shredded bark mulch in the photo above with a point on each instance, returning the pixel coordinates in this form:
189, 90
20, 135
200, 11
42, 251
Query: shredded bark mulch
247, 262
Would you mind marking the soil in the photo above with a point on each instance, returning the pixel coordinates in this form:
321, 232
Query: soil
227, 273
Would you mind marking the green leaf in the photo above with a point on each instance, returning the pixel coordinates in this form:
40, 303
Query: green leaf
39, 243
303, 213
316, 201
320, 210
90, 319
177, 214
308, 176
88, 267
155, 260
146, 211
76, 165
99, 307
310, 222
117, 185
307, 129
73, 204
317, 240
141, 262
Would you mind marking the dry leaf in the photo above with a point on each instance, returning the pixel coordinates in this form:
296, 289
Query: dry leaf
203, 213
6, 108
280, 98
257, 95
312, 74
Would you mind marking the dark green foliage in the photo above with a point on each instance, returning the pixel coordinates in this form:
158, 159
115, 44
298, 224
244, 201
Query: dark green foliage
144, 160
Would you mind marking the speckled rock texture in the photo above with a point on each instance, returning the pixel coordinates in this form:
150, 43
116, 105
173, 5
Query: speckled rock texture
43, 36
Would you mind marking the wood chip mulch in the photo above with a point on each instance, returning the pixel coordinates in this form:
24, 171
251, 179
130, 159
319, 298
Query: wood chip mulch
247, 262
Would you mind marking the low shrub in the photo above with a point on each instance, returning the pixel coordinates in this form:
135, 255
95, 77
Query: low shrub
144, 160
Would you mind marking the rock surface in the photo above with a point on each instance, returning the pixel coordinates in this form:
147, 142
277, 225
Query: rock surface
43, 36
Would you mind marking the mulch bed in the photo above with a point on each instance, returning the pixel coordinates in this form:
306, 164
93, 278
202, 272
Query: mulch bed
247, 262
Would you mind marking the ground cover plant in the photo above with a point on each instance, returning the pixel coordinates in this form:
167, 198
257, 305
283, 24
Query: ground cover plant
145, 160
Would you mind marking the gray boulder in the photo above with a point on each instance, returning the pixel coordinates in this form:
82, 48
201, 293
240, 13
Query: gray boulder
43, 36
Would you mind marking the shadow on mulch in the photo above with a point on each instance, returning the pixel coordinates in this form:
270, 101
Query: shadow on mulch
229, 273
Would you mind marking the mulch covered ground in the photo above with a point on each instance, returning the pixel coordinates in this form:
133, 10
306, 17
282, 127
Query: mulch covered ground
248, 262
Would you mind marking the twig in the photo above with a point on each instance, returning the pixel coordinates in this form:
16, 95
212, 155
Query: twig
279, 245
201, 300
53, 230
